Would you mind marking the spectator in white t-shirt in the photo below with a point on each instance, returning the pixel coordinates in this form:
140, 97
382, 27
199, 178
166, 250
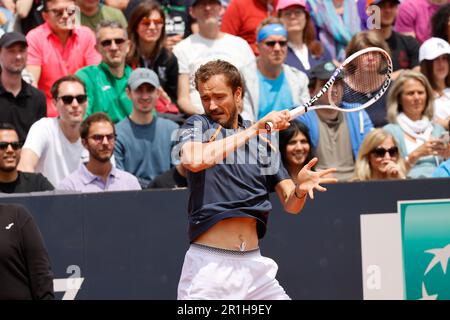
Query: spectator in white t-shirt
206, 45
53, 146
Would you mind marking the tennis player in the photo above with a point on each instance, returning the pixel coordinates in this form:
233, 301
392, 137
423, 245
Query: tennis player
231, 169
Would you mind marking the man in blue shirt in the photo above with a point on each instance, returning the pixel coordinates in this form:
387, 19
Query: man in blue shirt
144, 140
231, 169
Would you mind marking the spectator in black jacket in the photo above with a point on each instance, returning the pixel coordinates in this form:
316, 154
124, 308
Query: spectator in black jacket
25, 271
21, 103
404, 49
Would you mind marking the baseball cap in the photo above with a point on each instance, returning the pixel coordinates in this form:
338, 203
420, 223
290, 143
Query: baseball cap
433, 48
283, 4
375, 2
10, 38
322, 71
142, 75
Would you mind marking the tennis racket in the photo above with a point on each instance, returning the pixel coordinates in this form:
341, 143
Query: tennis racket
357, 83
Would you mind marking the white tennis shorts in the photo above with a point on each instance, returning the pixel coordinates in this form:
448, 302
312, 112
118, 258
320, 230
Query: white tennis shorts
219, 274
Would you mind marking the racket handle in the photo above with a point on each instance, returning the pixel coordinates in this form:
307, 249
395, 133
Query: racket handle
293, 113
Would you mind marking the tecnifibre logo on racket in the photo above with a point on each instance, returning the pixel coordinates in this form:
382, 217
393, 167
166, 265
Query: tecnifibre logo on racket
261, 150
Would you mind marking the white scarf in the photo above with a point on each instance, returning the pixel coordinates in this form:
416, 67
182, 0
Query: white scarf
419, 129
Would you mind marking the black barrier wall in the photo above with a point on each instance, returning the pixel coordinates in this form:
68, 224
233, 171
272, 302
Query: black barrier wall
131, 245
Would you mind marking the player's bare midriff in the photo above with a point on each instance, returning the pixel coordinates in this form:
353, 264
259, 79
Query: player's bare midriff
232, 234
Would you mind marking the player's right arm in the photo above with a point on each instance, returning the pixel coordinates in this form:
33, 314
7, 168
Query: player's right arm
198, 156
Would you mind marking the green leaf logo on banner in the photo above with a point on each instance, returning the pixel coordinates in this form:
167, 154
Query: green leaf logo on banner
426, 249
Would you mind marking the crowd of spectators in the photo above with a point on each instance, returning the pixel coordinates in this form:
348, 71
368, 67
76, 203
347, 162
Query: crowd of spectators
92, 92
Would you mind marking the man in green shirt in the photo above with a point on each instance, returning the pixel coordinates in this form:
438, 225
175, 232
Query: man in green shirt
92, 12
106, 82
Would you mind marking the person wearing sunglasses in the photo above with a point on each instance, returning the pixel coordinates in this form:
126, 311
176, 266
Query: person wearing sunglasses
11, 179
59, 47
53, 145
210, 43
92, 12
106, 82
270, 84
379, 158
147, 35
98, 137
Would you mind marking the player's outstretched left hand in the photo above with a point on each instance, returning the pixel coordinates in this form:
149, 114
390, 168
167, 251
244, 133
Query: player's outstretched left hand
309, 180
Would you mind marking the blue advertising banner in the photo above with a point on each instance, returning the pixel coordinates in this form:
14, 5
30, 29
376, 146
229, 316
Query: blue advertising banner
131, 245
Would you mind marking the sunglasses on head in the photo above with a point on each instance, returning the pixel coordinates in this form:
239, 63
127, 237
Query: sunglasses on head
81, 98
271, 44
15, 145
98, 138
146, 21
108, 42
381, 152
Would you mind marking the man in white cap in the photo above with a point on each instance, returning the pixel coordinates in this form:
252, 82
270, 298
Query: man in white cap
143, 144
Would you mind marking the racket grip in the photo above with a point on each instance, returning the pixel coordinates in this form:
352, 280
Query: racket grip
269, 126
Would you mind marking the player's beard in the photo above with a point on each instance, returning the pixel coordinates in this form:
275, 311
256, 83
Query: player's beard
228, 124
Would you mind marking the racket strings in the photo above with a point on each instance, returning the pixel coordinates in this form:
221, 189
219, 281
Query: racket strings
360, 80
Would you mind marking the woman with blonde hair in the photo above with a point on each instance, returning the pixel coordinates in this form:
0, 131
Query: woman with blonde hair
378, 158
410, 110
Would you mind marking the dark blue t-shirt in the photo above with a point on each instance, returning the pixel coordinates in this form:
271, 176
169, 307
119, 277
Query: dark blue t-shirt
238, 187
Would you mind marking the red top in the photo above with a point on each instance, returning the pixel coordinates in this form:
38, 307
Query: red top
242, 17
57, 60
